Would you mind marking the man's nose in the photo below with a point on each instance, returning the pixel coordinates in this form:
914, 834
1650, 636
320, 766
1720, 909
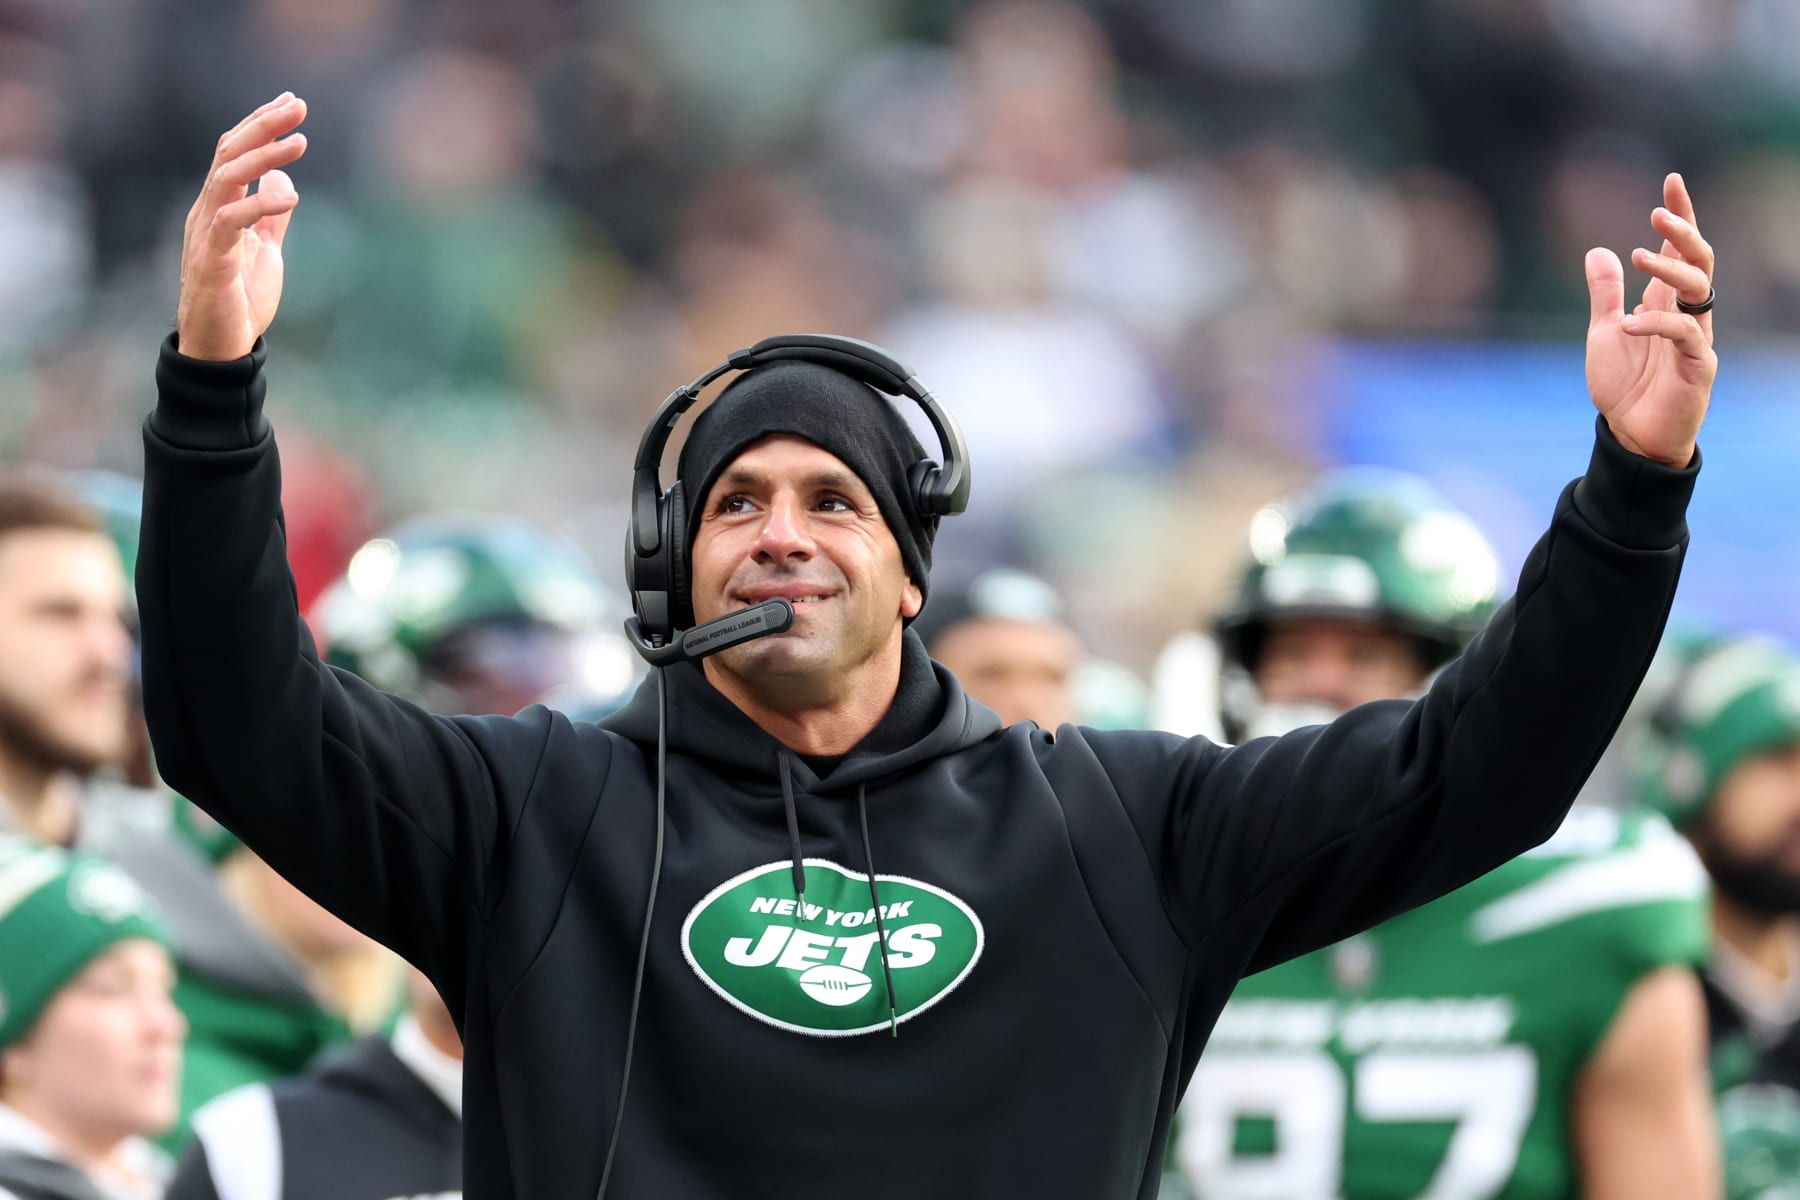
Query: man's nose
784, 532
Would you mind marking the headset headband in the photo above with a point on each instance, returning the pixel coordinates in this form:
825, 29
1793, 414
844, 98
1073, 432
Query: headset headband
943, 495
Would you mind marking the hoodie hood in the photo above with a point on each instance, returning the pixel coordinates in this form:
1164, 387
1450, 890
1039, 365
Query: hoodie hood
931, 717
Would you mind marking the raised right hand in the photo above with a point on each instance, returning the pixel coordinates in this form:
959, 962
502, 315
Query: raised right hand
231, 248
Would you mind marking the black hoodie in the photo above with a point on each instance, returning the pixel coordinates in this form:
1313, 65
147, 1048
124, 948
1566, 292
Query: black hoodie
1064, 914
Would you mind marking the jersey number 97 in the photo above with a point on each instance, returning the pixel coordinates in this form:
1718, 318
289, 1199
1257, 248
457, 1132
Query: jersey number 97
1486, 1096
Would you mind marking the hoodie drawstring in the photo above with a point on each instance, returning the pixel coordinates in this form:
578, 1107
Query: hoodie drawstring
862, 816
793, 824
887, 975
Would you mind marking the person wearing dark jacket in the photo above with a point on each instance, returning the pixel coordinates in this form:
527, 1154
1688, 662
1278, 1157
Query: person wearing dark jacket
895, 948
379, 1119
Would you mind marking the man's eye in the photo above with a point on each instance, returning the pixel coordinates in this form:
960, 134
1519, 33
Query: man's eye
735, 504
835, 504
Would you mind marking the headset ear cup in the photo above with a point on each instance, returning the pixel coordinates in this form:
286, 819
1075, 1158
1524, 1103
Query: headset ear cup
674, 539
922, 477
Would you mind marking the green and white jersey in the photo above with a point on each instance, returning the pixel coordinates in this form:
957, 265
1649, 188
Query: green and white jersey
1435, 1055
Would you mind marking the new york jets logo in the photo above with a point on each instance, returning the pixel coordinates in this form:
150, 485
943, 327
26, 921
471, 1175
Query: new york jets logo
811, 964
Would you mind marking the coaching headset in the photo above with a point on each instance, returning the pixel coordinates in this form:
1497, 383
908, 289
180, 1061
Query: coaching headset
656, 553
656, 568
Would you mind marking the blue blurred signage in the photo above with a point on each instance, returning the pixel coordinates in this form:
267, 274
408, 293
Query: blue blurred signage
1500, 427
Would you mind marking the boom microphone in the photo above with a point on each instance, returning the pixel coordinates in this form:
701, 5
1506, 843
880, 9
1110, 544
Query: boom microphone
720, 633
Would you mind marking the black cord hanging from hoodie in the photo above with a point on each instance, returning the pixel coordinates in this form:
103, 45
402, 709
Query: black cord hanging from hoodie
637, 983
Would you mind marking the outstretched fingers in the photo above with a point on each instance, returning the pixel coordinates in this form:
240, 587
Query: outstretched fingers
1689, 281
249, 149
1684, 237
1680, 228
1678, 328
261, 110
1677, 199
260, 127
252, 165
232, 219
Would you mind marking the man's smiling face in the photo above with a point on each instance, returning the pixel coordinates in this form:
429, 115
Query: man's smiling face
789, 519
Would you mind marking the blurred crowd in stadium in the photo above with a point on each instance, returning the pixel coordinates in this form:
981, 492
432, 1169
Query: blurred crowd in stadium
1108, 236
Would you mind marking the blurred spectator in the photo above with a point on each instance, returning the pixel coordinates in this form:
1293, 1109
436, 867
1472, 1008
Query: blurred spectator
45, 254
759, 97
1005, 635
1040, 386
65, 656
377, 1119
1716, 748
1057, 271
1147, 251
118, 501
1758, 188
1106, 233
1714, 744
90, 1044
267, 977
756, 252
1002, 635
454, 257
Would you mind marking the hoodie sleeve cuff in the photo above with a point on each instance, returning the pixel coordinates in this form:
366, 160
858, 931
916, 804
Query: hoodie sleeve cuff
1632, 500
204, 405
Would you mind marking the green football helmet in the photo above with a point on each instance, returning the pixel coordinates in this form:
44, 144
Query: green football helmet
474, 614
1362, 543
1707, 704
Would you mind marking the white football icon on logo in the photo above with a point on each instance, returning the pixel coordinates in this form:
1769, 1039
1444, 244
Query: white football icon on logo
831, 984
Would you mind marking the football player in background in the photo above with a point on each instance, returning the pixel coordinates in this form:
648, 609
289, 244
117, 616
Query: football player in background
477, 614
1536, 1033
1715, 746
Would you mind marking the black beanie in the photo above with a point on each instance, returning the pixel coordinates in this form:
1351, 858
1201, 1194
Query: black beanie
831, 410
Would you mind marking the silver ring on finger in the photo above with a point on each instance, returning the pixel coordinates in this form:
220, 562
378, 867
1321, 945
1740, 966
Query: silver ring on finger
1700, 309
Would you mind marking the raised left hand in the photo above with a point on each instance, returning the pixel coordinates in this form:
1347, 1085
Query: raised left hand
1650, 371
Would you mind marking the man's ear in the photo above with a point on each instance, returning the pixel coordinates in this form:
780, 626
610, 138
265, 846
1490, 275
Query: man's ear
911, 601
